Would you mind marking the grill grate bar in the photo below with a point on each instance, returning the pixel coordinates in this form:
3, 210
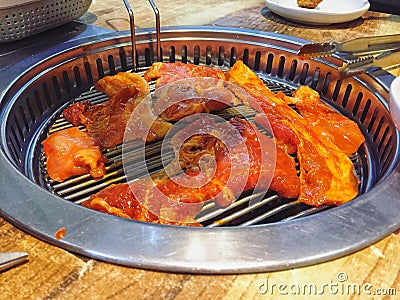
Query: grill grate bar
270, 213
211, 210
86, 186
60, 126
92, 190
245, 211
310, 211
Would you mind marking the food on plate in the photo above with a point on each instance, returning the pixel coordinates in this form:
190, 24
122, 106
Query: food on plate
71, 152
327, 175
308, 3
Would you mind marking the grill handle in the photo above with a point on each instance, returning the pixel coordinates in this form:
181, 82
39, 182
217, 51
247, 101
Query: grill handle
133, 34
158, 28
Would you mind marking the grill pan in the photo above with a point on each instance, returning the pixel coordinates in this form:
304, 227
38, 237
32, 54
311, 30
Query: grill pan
275, 235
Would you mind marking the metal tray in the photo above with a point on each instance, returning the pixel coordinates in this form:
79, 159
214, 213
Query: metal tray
24, 18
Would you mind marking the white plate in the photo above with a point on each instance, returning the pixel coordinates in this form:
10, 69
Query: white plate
394, 103
327, 12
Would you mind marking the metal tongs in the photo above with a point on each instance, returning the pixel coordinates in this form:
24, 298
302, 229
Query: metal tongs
133, 33
9, 260
370, 52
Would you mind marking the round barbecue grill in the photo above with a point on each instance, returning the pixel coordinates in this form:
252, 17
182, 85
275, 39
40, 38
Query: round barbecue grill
269, 234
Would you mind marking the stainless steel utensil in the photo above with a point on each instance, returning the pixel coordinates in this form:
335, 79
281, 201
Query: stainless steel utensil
359, 46
383, 60
9, 260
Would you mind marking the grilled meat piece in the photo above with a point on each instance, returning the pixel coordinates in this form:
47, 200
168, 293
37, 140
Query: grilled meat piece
166, 73
121, 201
239, 166
327, 174
244, 161
108, 121
190, 96
110, 85
341, 130
76, 112
71, 152
190, 92
285, 137
268, 116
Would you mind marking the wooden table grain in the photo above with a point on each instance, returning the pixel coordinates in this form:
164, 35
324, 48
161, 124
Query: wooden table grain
53, 273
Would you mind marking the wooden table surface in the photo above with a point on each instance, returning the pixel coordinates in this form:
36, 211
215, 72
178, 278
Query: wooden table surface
53, 273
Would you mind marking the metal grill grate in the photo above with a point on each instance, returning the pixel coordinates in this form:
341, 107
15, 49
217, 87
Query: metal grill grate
267, 208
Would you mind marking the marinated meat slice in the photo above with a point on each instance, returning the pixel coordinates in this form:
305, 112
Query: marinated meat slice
339, 182
241, 165
121, 201
284, 175
75, 112
118, 200
166, 73
143, 123
107, 121
260, 100
285, 137
187, 95
285, 181
179, 198
71, 152
111, 84
327, 175
342, 131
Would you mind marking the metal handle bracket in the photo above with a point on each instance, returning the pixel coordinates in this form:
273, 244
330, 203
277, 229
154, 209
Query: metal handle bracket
133, 34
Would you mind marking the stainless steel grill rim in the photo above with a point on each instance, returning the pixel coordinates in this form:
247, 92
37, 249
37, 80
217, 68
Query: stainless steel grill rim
345, 229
